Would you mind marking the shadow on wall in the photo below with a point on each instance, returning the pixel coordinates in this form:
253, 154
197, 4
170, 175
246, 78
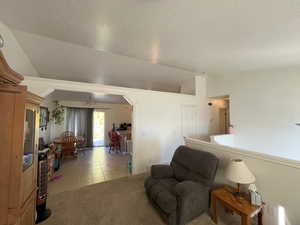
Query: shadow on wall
226, 139
150, 153
170, 145
275, 215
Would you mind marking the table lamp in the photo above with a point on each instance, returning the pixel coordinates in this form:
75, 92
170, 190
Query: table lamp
238, 172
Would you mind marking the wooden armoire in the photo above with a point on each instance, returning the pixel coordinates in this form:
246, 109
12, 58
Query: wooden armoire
19, 130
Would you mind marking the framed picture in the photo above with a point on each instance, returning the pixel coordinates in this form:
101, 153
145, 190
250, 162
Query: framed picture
44, 117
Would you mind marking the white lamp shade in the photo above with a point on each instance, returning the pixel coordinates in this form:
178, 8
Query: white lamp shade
238, 172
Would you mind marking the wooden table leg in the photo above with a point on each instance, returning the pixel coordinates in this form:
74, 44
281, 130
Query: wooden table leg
246, 220
260, 216
214, 209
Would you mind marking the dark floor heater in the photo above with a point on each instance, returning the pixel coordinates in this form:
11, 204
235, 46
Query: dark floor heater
42, 212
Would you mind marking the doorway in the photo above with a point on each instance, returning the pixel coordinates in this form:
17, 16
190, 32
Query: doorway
224, 120
98, 129
219, 110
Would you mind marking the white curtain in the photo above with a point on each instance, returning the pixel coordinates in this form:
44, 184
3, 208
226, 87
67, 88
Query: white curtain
80, 121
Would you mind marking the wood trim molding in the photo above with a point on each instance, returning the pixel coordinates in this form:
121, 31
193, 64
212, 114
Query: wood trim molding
12, 89
249, 154
33, 98
7, 74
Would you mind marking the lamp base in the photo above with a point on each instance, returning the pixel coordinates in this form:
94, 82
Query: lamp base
238, 194
236, 191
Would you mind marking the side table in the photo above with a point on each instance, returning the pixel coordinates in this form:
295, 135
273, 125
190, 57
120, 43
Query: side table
239, 205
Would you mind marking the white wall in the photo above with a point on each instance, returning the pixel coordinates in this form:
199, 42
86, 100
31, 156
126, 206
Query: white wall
226, 139
188, 86
276, 179
264, 108
158, 124
14, 54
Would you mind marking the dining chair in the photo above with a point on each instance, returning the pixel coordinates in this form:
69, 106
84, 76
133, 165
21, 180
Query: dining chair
68, 146
67, 134
80, 143
115, 141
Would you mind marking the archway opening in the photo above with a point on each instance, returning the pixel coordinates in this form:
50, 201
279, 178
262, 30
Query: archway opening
99, 158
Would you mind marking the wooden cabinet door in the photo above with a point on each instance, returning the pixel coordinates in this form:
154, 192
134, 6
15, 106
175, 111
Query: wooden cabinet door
6, 113
28, 216
12, 101
29, 181
28, 185
16, 152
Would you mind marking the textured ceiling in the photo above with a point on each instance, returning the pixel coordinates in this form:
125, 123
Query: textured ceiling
87, 97
197, 35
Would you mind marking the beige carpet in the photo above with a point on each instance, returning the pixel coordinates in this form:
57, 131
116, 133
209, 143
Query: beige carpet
117, 202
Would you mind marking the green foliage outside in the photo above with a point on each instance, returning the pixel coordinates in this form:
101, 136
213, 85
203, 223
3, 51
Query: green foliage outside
99, 125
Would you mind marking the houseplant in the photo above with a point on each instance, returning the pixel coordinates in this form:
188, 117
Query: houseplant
58, 113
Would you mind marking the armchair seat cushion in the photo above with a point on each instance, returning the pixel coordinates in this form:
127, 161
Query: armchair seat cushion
162, 192
185, 188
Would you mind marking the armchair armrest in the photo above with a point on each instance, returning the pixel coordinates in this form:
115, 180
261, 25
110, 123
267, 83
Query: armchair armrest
161, 171
189, 187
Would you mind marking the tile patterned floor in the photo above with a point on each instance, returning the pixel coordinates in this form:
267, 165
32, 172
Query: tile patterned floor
91, 166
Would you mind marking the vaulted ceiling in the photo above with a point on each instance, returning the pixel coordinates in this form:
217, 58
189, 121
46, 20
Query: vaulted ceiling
154, 43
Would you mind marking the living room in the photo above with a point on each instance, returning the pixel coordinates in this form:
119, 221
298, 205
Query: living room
171, 72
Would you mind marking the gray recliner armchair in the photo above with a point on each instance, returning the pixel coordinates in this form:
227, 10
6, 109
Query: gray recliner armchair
180, 191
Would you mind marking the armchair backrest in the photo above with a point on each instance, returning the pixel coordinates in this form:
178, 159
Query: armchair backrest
194, 165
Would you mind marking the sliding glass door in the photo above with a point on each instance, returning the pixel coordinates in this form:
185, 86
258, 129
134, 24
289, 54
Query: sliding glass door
98, 128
